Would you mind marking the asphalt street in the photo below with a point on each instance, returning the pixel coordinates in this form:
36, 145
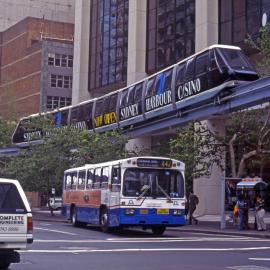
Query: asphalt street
58, 245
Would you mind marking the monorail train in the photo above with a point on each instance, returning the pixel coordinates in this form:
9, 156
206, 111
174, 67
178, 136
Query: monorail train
186, 84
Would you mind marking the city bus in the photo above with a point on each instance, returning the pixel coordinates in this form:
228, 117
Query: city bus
148, 192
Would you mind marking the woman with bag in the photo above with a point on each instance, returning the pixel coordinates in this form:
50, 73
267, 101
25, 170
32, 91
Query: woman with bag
259, 214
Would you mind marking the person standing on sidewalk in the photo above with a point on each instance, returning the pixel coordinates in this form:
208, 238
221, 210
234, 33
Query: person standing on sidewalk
193, 200
259, 214
240, 205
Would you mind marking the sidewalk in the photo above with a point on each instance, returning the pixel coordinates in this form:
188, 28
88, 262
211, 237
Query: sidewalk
207, 224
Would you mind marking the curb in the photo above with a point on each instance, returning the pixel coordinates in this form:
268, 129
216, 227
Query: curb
224, 232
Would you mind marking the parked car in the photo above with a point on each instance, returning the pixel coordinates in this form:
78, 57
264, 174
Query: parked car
55, 203
16, 223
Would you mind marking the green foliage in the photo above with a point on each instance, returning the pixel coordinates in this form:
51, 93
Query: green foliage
40, 167
198, 148
6, 130
262, 45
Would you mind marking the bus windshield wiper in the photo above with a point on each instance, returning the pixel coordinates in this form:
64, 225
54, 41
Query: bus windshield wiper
144, 189
163, 191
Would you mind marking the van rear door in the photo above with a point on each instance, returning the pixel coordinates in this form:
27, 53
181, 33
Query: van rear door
15, 216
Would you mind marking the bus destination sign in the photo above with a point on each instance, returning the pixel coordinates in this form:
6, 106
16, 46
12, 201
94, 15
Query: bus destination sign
154, 163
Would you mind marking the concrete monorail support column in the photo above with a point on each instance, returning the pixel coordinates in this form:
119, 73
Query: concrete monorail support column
136, 60
206, 20
81, 51
136, 41
208, 188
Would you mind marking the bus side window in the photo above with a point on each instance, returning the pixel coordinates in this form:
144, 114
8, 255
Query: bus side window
97, 179
90, 179
81, 180
74, 180
105, 177
68, 181
116, 178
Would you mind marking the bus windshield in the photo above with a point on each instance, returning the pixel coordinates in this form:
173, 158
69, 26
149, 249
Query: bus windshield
153, 183
236, 59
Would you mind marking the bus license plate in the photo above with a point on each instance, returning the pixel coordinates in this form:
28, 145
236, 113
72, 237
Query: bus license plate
144, 211
162, 211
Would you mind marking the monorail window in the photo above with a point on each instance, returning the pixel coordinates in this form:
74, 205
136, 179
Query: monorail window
201, 63
168, 80
81, 180
123, 101
138, 92
180, 77
235, 58
150, 87
82, 114
112, 103
90, 178
190, 70
61, 118
130, 96
99, 107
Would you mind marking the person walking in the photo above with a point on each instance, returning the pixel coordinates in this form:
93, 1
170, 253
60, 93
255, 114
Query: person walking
259, 214
193, 201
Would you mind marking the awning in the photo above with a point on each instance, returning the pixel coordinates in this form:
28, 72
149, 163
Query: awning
252, 184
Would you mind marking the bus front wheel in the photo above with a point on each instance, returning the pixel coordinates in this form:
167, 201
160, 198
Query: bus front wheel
158, 230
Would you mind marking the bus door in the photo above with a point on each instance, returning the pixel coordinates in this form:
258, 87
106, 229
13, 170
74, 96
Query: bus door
115, 185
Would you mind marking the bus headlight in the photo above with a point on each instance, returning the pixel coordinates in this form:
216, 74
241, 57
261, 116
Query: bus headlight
130, 211
177, 212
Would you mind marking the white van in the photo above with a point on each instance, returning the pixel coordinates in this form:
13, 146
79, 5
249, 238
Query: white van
16, 223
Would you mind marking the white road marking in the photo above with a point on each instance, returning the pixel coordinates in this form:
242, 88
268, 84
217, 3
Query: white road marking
142, 250
248, 267
56, 231
260, 259
153, 240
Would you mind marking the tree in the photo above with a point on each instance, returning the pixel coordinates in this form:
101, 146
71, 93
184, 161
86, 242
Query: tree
41, 166
198, 148
262, 46
6, 130
248, 141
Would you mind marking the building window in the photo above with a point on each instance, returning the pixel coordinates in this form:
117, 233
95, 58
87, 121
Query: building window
61, 81
70, 61
54, 102
53, 80
171, 32
60, 60
237, 18
108, 42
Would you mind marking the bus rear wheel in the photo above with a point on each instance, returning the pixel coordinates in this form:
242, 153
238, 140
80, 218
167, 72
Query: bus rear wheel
104, 220
158, 230
74, 220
